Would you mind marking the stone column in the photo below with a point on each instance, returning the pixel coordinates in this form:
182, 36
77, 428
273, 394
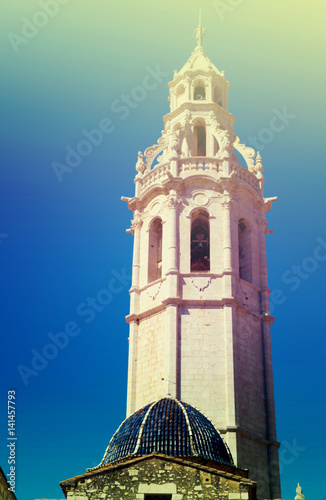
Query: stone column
171, 352
135, 228
227, 247
138, 185
173, 260
273, 445
266, 320
188, 89
132, 367
210, 139
173, 98
230, 408
209, 90
173, 247
261, 224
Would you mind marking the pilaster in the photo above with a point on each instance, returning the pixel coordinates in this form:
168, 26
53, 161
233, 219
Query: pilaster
136, 225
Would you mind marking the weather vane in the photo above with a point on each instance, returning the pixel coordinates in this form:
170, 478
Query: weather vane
199, 32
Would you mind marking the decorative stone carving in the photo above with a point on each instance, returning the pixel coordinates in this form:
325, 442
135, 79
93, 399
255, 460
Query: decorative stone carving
227, 203
215, 123
223, 140
241, 173
259, 166
268, 202
175, 142
200, 199
136, 223
174, 202
140, 165
247, 152
201, 283
155, 208
222, 136
152, 152
161, 158
188, 115
185, 138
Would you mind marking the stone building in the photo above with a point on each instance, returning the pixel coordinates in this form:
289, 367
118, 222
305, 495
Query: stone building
199, 313
167, 450
199, 316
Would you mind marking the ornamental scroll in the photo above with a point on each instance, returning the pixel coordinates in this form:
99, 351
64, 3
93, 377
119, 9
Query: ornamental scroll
247, 152
153, 151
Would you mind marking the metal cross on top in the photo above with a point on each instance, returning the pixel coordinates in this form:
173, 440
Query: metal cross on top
199, 32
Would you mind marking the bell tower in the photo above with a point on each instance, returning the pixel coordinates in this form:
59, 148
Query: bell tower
199, 301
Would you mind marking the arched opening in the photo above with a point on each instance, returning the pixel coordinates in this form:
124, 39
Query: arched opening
199, 93
155, 251
245, 258
200, 140
199, 261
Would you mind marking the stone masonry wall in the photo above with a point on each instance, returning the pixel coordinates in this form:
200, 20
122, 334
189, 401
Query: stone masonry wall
157, 476
202, 363
249, 374
150, 359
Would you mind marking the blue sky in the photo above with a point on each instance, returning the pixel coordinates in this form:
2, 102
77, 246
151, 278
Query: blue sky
64, 242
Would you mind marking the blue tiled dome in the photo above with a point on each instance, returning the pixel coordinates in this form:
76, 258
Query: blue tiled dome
170, 427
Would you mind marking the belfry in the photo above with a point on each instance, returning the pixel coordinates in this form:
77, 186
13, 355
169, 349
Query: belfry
199, 316
200, 405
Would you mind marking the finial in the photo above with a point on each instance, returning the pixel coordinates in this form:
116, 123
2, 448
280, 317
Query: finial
299, 495
140, 165
258, 157
259, 164
259, 171
199, 32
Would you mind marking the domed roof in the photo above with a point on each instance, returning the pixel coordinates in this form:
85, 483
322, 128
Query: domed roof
169, 427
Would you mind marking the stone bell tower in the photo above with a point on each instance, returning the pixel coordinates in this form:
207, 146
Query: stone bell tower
199, 302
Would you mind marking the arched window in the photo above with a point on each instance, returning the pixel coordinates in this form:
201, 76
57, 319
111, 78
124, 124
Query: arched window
199, 93
155, 251
199, 241
200, 140
245, 258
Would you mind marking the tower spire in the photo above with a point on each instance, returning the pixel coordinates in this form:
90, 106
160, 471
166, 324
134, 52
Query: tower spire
199, 32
